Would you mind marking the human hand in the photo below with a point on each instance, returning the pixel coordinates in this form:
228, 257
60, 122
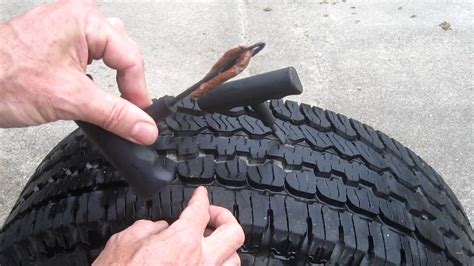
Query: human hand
43, 59
203, 235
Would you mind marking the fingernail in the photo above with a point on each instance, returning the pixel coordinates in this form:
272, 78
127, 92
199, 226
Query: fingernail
144, 133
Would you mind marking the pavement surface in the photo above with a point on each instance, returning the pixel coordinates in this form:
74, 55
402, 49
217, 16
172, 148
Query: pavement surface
386, 63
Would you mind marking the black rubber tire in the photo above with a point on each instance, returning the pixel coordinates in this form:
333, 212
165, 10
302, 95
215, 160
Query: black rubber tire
338, 192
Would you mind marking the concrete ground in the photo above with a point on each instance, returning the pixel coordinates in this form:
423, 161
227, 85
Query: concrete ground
386, 63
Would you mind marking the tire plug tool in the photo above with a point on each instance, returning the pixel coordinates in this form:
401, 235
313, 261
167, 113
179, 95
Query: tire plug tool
141, 166
254, 91
268, 120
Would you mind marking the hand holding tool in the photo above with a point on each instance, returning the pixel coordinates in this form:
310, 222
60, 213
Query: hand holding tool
147, 172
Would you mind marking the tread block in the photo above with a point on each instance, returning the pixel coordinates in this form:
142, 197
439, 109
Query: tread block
455, 251
363, 200
82, 211
222, 123
220, 197
224, 147
428, 171
165, 204
368, 135
403, 174
95, 208
332, 191
331, 227
185, 122
396, 148
302, 184
287, 110
318, 247
349, 236
341, 125
361, 231
432, 193
207, 142
377, 244
434, 258
197, 171
190, 106
392, 246
260, 221
336, 192
177, 200
232, 173
298, 225
258, 151
342, 145
280, 235
316, 138
294, 156
292, 132
188, 147
266, 176
396, 214
253, 126
410, 250
428, 232
370, 156
316, 117
244, 215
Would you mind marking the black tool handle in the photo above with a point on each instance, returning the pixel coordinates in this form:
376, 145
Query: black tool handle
252, 90
139, 164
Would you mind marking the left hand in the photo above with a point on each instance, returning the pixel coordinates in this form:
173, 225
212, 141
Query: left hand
43, 58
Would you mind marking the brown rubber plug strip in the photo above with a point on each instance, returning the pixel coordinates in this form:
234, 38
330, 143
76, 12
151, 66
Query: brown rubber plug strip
241, 55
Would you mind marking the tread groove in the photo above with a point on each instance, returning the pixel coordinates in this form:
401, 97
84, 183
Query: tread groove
338, 191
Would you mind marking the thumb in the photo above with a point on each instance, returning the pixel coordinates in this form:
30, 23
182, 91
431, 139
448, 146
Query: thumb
116, 115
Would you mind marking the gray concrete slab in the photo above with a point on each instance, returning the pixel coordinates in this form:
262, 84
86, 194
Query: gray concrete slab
386, 63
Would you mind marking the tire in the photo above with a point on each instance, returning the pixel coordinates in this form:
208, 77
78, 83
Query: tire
338, 192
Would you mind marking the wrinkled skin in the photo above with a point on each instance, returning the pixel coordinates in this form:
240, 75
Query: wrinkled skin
43, 59
203, 235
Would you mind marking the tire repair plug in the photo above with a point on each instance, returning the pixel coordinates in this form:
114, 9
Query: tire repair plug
143, 168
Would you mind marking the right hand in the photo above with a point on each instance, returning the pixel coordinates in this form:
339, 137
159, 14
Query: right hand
203, 235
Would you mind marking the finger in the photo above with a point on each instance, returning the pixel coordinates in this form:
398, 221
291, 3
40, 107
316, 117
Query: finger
118, 25
233, 260
141, 229
196, 214
112, 44
115, 114
227, 230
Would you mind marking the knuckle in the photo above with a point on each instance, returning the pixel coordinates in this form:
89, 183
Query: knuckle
96, 37
139, 60
226, 212
116, 22
162, 223
115, 238
143, 223
238, 236
114, 115
137, 52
